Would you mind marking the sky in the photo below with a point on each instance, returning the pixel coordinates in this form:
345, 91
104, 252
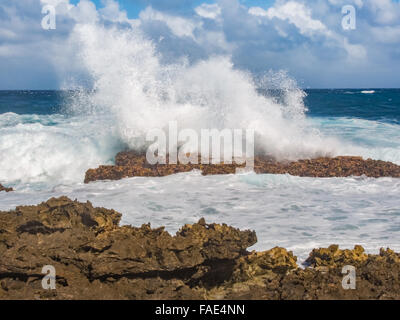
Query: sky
306, 39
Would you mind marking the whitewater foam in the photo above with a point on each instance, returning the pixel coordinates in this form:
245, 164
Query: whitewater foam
368, 139
368, 91
43, 151
142, 93
296, 213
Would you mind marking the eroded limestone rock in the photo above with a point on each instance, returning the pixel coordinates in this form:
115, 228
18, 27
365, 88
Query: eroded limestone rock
95, 258
131, 164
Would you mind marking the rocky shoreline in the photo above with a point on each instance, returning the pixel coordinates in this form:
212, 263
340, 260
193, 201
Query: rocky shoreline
95, 258
133, 164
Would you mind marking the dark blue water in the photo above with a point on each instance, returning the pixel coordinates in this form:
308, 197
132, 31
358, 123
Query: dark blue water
383, 105
32, 102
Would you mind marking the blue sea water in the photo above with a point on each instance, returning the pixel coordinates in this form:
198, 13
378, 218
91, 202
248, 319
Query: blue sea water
45, 150
32, 102
381, 105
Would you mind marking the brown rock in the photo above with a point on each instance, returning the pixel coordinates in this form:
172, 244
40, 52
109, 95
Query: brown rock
95, 258
2, 188
91, 252
334, 257
278, 260
131, 164
331, 167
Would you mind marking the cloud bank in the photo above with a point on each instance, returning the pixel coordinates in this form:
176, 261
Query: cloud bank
305, 38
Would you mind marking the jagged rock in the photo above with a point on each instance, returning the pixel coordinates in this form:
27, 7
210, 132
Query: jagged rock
277, 260
334, 257
95, 258
330, 167
388, 256
86, 245
2, 188
131, 164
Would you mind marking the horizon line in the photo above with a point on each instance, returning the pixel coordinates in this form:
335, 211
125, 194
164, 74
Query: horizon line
333, 88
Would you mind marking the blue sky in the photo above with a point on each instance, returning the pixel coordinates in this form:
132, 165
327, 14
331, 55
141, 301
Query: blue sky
304, 38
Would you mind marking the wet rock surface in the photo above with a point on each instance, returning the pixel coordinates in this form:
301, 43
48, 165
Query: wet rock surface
95, 258
331, 167
2, 188
131, 164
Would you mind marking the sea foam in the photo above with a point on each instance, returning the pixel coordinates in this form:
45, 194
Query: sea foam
142, 93
133, 90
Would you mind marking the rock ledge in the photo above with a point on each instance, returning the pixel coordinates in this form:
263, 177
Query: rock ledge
132, 164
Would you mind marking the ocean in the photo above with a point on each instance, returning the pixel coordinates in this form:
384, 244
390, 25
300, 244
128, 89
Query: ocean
48, 139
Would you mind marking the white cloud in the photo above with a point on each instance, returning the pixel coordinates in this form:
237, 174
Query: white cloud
56, 3
355, 51
215, 40
113, 12
298, 14
386, 34
84, 12
294, 12
257, 11
181, 27
257, 38
385, 11
340, 3
209, 11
